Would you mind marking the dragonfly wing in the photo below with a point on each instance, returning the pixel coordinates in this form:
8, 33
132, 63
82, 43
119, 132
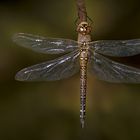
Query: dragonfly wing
45, 45
56, 69
108, 70
117, 48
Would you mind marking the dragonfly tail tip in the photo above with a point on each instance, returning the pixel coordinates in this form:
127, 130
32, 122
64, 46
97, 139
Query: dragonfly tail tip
82, 123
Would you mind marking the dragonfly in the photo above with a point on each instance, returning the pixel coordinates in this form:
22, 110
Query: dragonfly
81, 55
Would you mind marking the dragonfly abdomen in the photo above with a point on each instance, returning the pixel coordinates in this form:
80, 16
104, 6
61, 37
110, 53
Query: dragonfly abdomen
83, 84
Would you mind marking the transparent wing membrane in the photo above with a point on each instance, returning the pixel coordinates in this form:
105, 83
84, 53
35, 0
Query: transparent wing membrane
56, 69
45, 45
67, 65
108, 70
117, 48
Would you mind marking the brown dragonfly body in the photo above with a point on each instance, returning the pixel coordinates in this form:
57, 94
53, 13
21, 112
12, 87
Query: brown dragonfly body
83, 38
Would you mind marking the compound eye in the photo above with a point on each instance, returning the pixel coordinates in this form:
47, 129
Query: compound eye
81, 29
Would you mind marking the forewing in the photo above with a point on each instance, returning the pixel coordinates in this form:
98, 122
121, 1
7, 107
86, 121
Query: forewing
108, 70
117, 48
44, 44
56, 69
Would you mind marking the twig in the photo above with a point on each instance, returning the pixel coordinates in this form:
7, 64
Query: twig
82, 14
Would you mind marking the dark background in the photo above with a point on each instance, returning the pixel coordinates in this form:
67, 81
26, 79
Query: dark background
50, 110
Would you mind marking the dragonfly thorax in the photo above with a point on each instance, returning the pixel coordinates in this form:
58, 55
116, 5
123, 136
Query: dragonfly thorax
84, 53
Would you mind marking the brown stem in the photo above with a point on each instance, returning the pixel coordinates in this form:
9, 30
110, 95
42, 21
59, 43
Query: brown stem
82, 14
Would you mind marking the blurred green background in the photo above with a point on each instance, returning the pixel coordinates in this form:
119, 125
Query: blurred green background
50, 110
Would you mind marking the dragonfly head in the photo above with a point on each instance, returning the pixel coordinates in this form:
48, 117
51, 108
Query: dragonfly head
84, 28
